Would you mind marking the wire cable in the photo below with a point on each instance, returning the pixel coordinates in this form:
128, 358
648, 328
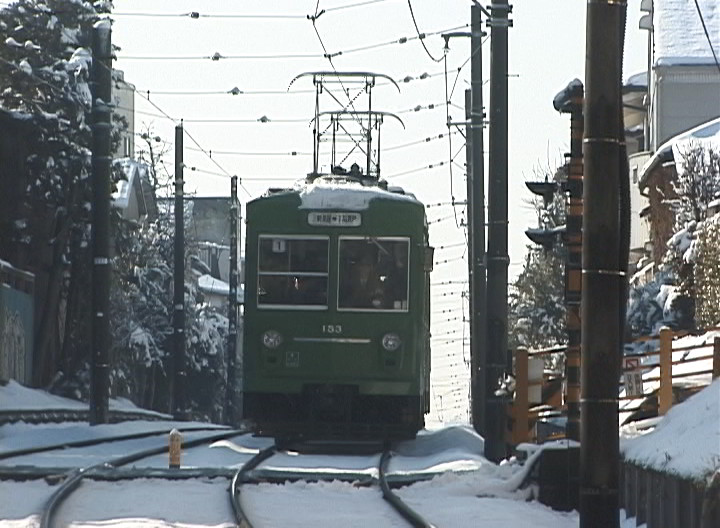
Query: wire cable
421, 36
707, 35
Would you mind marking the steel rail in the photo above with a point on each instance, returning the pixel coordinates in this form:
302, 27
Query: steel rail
240, 516
97, 441
73, 481
410, 515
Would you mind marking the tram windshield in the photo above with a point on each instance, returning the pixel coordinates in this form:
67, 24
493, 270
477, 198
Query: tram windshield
293, 271
373, 273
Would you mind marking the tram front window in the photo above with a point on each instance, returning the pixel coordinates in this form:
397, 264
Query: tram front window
292, 272
373, 273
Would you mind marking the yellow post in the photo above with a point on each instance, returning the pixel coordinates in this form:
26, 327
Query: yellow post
520, 405
175, 451
665, 394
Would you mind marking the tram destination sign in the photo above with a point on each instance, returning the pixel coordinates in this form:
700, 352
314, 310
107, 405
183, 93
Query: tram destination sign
334, 218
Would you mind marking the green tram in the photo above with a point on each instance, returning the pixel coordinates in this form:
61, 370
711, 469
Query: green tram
337, 312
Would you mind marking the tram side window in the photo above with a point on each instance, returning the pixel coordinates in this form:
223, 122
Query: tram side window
373, 274
292, 271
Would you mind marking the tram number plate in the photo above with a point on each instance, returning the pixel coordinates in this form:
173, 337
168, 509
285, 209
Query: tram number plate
333, 218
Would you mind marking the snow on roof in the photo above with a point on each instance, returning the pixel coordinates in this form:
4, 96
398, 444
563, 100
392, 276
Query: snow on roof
679, 35
637, 80
685, 442
130, 168
209, 284
706, 134
348, 195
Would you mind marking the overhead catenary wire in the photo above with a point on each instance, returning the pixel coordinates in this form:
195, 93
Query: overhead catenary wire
707, 35
198, 15
217, 56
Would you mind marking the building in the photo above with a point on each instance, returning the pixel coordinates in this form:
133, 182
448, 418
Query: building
123, 94
675, 100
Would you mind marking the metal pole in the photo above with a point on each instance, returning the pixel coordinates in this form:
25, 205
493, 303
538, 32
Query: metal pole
471, 263
476, 206
497, 253
100, 238
232, 306
179, 375
602, 280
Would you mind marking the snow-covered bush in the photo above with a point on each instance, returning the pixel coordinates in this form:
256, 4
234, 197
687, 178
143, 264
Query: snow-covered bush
707, 273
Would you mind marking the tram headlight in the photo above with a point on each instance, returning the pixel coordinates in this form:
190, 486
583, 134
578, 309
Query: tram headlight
272, 339
391, 342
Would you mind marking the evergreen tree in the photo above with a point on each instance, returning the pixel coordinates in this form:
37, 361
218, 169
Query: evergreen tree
44, 69
536, 309
697, 185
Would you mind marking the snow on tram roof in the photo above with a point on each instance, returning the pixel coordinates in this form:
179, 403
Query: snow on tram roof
346, 194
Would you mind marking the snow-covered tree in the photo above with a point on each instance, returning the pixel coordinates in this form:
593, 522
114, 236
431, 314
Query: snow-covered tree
44, 71
689, 249
536, 312
707, 274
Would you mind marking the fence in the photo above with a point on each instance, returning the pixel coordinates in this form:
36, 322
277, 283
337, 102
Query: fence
16, 323
678, 372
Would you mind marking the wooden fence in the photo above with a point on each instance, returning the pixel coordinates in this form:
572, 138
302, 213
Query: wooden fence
674, 364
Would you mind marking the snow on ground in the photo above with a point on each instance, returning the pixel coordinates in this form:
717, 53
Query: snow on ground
685, 442
465, 490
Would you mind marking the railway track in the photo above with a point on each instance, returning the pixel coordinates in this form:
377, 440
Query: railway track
244, 476
74, 480
114, 469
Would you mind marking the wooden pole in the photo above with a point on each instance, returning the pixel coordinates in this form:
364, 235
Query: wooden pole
665, 393
716, 358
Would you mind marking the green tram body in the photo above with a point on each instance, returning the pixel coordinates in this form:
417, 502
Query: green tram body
324, 366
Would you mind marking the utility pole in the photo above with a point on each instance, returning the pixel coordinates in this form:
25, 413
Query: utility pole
179, 374
603, 276
497, 252
476, 205
232, 307
100, 239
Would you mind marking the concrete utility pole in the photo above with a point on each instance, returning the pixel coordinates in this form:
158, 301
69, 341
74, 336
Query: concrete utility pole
179, 374
603, 276
476, 221
100, 238
497, 252
232, 307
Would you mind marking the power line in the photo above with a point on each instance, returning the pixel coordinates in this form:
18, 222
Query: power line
421, 36
198, 15
217, 56
707, 35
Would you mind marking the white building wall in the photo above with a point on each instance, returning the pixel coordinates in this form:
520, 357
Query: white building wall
639, 227
123, 94
685, 96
